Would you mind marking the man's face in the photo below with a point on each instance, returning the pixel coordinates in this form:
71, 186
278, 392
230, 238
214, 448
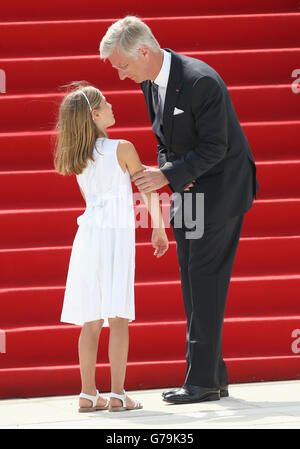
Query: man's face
128, 67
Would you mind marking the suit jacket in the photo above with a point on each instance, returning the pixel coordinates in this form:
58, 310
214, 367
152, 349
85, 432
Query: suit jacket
206, 143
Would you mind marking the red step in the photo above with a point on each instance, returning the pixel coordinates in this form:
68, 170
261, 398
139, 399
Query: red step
38, 223
264, 256
82, 37
41, 111
32, 150
247, 297
39, 380
285, 171
58, 345
51, 227
30, 189
48, 74
64, 9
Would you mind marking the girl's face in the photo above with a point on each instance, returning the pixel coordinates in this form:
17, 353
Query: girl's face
104, 116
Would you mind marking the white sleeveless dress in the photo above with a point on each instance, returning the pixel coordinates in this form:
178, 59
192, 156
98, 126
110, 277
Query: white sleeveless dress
100, 279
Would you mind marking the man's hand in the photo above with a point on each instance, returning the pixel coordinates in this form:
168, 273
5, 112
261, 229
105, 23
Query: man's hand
190, 185
149, 179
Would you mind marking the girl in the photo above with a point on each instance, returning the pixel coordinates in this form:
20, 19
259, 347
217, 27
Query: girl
100, 282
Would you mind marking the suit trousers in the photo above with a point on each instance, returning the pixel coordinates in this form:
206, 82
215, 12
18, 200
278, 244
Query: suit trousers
206, 265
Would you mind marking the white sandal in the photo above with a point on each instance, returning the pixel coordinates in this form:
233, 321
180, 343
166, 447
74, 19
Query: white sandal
93, 400
122, 397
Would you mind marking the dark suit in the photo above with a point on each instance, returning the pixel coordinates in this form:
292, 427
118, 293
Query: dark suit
205, 144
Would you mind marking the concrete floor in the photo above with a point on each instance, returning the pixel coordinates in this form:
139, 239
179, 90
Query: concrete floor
265, 405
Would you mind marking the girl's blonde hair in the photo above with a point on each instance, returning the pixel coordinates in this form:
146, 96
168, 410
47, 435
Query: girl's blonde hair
77, 132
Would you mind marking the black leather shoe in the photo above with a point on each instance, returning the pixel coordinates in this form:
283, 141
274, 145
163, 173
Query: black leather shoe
165, 393
223, 391
192, 393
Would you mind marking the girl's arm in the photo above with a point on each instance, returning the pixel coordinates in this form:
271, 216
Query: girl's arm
127, 154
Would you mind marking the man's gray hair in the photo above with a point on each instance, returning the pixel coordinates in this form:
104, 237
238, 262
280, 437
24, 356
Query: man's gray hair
129, 34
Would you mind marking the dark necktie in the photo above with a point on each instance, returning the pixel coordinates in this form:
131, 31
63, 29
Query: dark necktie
157, 124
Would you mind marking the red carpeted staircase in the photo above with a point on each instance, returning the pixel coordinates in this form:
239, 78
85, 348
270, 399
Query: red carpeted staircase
255, 46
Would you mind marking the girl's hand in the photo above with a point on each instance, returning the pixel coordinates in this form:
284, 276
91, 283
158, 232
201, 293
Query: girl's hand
159, 242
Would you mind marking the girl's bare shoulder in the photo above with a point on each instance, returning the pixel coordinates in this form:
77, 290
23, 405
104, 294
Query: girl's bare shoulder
128, 155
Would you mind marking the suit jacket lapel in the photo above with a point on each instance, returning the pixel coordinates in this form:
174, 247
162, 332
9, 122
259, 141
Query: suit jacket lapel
173, 90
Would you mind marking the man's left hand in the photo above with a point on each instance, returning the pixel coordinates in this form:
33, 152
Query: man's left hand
149, 179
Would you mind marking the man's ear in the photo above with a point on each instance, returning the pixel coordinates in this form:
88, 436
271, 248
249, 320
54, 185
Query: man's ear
144, 50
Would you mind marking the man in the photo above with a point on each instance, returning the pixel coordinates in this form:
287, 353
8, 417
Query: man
200, 144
